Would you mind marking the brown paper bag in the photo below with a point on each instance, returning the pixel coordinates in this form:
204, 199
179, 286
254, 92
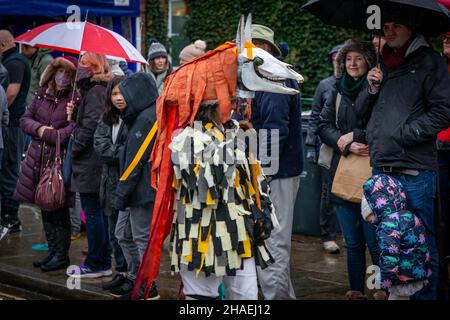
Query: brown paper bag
352, 172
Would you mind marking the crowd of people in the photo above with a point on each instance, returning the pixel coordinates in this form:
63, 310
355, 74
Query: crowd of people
396, 113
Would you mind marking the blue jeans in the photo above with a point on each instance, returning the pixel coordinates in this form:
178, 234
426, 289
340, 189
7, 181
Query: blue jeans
420, 196
357, 234
99, 248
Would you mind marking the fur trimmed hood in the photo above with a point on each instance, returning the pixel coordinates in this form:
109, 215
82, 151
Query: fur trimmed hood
50, 71
354, 45
102, 77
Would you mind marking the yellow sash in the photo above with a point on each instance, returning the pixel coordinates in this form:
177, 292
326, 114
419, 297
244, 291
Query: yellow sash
140, 152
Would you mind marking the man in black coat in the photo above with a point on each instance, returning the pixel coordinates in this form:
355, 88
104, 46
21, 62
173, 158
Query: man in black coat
406, 112
19, 83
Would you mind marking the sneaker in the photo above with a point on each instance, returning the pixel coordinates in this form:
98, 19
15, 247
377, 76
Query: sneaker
331, 247
75, 236
3, 231
380, 295
152, 296
124, 291
116, 282
355, 295
15, 227
10, 228
83, 271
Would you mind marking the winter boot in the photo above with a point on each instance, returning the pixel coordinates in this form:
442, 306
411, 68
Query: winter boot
50, 234
61, 259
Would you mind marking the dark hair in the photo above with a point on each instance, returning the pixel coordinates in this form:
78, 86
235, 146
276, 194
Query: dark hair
110, 113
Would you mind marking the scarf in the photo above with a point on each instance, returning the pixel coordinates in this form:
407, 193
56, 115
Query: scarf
395, 58
349, 86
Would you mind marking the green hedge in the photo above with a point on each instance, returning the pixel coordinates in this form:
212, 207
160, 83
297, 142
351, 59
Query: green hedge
156, 22
308, 38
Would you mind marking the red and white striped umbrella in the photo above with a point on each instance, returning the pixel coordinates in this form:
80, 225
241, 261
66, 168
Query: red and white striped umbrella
81, 37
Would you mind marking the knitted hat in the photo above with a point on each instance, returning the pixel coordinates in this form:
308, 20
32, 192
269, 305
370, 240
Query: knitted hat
193, 50
155, 50
354, 45
334, 50
264, 33
284, 48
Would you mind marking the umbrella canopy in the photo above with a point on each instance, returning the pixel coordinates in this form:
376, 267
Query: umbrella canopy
428, 17
81, 37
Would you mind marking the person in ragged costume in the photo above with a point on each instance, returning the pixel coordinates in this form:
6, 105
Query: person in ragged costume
218, 232
213, 76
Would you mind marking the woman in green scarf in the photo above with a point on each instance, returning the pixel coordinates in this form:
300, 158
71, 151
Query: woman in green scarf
341, 129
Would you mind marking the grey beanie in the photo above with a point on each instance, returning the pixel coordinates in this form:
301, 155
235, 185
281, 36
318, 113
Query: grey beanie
156, 50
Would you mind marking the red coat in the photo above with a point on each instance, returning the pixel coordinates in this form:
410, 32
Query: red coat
45, 110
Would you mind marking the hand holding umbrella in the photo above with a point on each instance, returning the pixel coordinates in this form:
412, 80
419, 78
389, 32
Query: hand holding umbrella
375, 77
69, 110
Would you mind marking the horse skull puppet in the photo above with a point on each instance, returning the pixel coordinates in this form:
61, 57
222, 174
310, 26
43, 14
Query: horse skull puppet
231, 72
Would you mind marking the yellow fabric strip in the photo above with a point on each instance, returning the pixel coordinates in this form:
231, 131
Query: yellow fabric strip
203, 248
247, 248
196, 168
209, 199
188, 258
140, 152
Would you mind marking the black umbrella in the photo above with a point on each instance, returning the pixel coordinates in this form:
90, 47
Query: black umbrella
427, 17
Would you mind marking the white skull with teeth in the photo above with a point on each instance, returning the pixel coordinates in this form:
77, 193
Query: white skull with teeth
258, 70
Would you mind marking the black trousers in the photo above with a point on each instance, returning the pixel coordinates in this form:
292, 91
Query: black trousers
9, 173
328, 220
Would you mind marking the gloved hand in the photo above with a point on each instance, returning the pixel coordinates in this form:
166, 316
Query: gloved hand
311, 155
117, 203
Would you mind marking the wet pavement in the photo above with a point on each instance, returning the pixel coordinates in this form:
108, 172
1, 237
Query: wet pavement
315, 274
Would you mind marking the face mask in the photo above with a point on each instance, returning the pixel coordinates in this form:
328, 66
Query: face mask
62, 80
83, 72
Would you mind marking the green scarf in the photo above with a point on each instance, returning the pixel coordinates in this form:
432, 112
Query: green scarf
349, 86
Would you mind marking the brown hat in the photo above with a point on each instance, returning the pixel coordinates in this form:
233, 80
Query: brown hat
193, 50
